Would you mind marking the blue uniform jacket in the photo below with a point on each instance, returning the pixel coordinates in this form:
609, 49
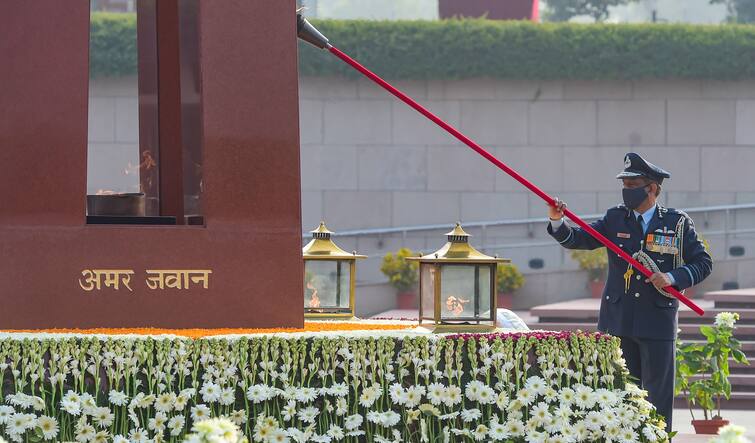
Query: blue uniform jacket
641, 311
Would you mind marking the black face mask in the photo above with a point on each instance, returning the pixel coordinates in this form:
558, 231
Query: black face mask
634, 197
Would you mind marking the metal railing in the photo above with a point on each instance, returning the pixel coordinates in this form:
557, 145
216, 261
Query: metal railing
701, 215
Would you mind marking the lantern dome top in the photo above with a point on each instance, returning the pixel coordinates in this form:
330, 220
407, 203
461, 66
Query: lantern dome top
322, 247
458, 250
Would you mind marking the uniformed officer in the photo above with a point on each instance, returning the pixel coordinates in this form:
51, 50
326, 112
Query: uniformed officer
632, 307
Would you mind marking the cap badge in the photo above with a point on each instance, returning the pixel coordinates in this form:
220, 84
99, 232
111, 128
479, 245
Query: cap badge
627, 162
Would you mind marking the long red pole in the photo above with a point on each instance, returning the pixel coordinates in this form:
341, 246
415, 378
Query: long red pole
529, 185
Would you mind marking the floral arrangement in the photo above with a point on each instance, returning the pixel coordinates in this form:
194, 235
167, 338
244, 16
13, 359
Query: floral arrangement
730, 434
216, 430
382, 387
702, 369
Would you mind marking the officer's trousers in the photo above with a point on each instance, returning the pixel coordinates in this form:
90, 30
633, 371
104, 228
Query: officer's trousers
652, 362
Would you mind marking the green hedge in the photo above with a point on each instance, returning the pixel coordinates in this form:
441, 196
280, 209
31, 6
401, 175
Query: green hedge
112, 44
479, 48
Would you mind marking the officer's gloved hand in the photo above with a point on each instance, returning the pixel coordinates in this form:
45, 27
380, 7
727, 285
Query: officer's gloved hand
660, 280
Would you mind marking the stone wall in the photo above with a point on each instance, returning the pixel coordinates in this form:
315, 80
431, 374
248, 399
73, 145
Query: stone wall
369, 161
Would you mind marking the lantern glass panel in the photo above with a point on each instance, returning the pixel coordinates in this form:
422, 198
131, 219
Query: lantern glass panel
427, 276
465, 292
326, 284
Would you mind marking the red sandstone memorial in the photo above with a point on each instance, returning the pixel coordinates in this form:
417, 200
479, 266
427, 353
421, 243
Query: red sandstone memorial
226, 95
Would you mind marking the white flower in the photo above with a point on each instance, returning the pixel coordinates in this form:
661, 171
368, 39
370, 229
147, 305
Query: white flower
453, 396
102, 417
278, 436
584, 397
306, 395
470, 415
238, 417
165, 401
339, 390
309, 414
526, 396
336, 432
119, 439
5, 413
726, 319
157, 423
48, 426
536, 384
257, 393
118, 398
480, 432
515, 428
435, 393
101, 437
70, 406
210, 392
199, 413
176, 425
731, 434
353, 421
85, 433
414, 396
497, 431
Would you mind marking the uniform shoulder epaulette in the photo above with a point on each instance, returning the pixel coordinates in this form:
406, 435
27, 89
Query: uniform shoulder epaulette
678, 212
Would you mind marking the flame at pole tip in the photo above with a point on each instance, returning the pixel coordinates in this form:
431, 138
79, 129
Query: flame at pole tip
310, 34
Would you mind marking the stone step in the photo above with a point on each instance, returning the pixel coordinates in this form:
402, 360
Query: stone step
740, 382
738, 400
732, 299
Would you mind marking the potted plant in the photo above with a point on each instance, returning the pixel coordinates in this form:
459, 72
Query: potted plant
595, 262
702, 371
508, 280
403, 275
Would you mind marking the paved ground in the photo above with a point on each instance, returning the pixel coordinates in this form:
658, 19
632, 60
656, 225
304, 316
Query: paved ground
682, 423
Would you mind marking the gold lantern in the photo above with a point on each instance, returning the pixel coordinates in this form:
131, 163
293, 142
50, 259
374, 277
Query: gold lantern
329, 277
457, 287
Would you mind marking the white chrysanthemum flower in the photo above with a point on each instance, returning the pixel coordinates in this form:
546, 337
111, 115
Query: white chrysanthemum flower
306, 395
325, 438
536, 384
157, 423
101, 437
309, 414
88, 404
566, 396
181, 401
469, 415
497, 431
336, 432
102, 417
5, 413
210, 392
726, 319
414, 396
238, 417
85, 433
165, 401
541, 413
515, 428
352, 422
452, 396
48, 426
278, 436
70, 406
120, 439
480, 432
199, 413
649, 434
628, 436
176, 425
584, 397
473, 390
436, 393
339, 390
227, 396
117, 398
502, 400
526, 396
396, 391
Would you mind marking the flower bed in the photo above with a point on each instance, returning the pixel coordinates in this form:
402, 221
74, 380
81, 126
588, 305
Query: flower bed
321, 388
